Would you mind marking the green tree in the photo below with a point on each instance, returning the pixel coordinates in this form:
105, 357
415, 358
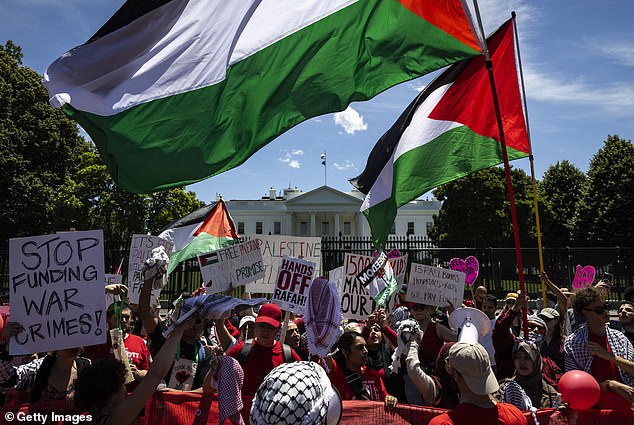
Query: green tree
605, 209
38, 148
561, 189
165, 207
475, 210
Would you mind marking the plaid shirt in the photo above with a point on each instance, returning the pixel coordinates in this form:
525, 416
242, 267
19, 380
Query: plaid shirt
578, 357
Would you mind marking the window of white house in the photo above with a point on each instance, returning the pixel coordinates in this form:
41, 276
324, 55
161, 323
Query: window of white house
258, 227
325, 228
277, 228
303, 228
347, 228
410, 228
241, 227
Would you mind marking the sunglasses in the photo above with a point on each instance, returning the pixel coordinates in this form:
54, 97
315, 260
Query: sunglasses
419, 307
601, 309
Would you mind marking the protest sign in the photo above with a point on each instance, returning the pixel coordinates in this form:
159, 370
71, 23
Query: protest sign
232, 266
273, 248
338, 276
111, 279
435, 286
469, 266
584, 277
56, 291
356, 303
291, 286
140, 250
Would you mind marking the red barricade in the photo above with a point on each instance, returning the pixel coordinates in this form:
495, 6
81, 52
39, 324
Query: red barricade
174, 408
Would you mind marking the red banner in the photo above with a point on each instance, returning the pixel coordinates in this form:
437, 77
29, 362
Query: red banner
175, 408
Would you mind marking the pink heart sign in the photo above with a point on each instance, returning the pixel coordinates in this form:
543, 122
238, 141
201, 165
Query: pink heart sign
584, 277
470, 267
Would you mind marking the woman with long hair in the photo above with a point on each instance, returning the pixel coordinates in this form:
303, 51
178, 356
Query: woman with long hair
48, 378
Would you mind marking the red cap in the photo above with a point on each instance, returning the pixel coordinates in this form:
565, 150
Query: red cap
269, 313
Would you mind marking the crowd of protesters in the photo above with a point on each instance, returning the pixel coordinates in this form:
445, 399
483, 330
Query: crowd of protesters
410, 356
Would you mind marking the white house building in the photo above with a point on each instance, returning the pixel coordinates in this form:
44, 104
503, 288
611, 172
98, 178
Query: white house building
323, 211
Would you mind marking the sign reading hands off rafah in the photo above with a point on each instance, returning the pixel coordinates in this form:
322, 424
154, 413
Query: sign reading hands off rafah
273, 248
233, 266
435, 286
140, 250
56, 290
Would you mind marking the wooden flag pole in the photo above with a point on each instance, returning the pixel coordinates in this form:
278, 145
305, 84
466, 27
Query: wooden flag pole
530, 157
507, 168
287, 317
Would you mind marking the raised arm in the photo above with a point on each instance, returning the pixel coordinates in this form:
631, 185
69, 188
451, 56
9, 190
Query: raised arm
128, 409
145, 311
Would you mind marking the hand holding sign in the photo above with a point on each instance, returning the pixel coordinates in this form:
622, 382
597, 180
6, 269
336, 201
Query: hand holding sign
584, 277
470, 267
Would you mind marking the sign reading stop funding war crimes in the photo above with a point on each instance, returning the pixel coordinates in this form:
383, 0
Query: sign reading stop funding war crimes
356, 303
435, 286
140, 250
273, 248
56, 291
292, 283
232, 266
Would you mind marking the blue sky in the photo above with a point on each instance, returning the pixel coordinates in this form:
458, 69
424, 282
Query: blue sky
578, 58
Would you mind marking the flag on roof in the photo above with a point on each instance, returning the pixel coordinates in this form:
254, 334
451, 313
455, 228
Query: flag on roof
205, 230
175, 91
447, 132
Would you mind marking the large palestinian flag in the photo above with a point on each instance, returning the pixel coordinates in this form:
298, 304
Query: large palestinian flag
447, 132
175, 91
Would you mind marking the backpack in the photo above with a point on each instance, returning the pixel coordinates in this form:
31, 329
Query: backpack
287, 353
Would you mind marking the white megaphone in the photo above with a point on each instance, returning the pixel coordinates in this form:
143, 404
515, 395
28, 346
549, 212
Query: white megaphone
471, 323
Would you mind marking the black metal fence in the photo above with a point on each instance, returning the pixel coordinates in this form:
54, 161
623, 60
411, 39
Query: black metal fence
498, 265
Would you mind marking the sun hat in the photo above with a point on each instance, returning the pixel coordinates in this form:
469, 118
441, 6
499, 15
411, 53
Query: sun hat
472, 361
548, 313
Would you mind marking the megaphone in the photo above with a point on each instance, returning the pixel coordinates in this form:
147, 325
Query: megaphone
471, 323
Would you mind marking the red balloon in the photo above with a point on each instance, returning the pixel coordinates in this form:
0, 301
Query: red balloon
579, 389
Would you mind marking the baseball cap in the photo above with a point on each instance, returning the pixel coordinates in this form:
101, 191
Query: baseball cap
472, 361
270, 313
548, 313
296, 393
511, 296
245, 320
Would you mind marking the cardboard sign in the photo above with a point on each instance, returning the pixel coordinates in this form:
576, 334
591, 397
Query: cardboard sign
470, 267
233, 266
140, 250
111, 279
584, 277
273, 248
56, 291
435, 286
356, 303
291, 286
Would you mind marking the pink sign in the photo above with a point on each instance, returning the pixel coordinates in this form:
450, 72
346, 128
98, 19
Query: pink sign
584, 277
470, 267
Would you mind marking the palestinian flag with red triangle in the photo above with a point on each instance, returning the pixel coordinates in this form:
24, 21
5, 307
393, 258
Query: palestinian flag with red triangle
205, 230
448, 131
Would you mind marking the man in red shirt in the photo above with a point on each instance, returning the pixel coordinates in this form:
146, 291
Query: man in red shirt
135, 347
469, 366
265, 352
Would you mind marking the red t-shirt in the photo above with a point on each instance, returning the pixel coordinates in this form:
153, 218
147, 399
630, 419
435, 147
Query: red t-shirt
259, 363
466, 413
370, 378
135, 347
603, 369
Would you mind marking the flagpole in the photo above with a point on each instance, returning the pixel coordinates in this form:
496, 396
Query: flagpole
507, 167
323, 162
530, 157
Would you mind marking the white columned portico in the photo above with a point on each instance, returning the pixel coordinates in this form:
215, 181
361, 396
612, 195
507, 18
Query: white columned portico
312, 223
336, 225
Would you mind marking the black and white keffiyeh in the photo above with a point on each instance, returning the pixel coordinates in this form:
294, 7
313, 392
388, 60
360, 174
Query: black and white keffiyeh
322, 317
297, 393
405, 330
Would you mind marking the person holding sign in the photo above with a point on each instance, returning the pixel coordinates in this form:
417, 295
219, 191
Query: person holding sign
48, 378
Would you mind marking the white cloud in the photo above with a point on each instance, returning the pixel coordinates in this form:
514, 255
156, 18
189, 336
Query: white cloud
346, 165
618, 52
350, 120
290, 160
